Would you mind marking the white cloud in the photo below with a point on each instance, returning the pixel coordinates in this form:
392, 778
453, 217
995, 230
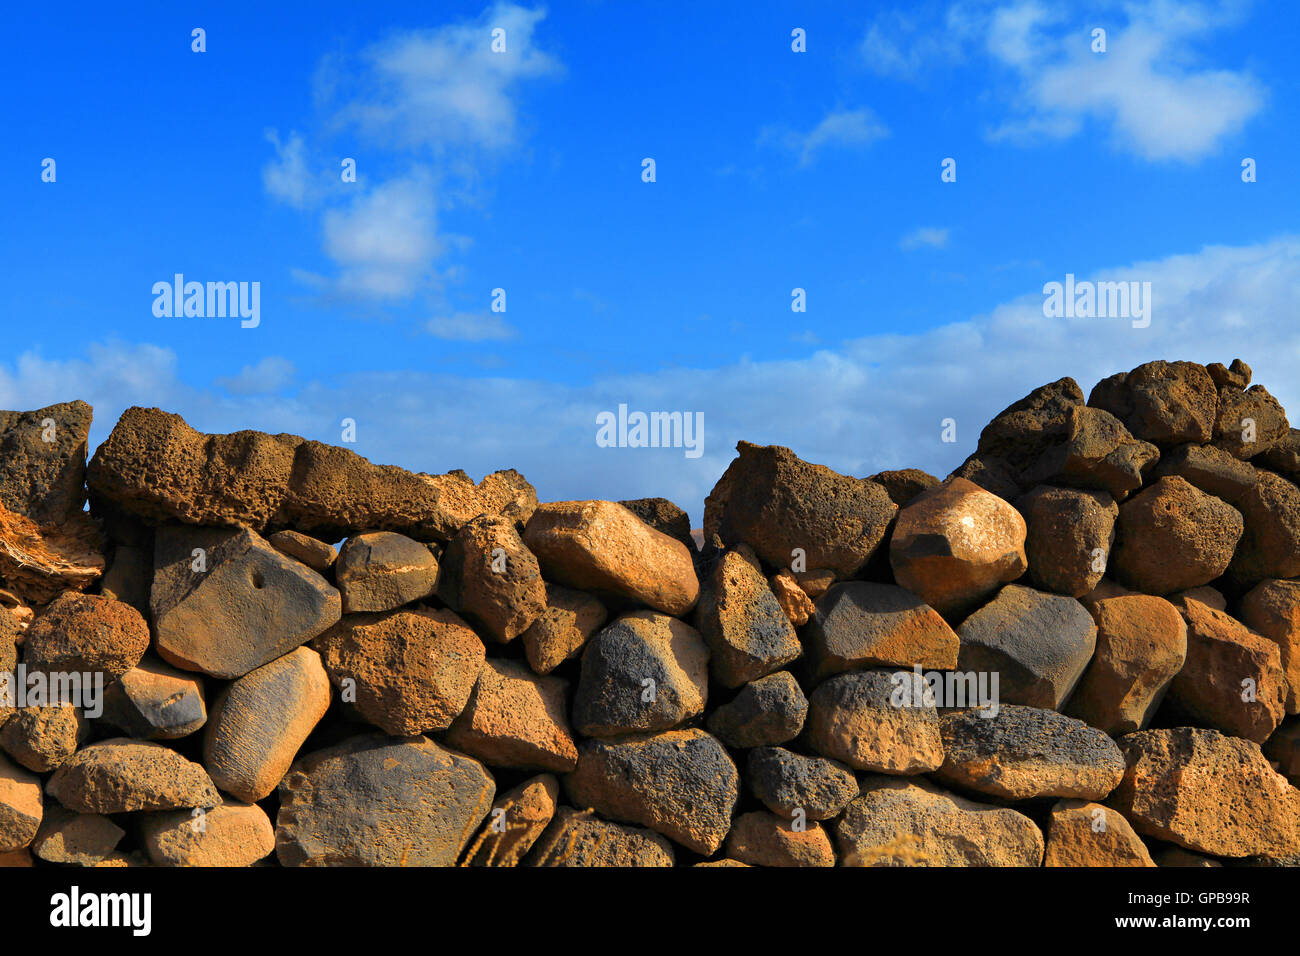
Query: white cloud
286, 177
470, 327
924, 237
858, 127
875, 403
270, 374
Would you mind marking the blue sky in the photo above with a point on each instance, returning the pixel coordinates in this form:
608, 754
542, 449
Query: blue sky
774, 170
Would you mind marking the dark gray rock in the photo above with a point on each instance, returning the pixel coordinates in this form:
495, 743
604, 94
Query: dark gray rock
786, 781
770, 710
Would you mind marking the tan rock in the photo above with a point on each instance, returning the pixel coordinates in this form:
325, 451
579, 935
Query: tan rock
578, 839
748, 633
764, 839
1283, 748
120, 776
955, 544
1177, 856
1088, 834
233, 834
381, 570
852, 718
815, 583
866, 624
563, 627
83, 839
515, 719
21, 806
601, 546
86, 633
516, 821
41, 738
1272, 609
154, 701
491, 578
794, 601
316, 554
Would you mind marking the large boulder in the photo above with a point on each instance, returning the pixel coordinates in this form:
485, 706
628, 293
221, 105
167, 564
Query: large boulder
1250, 421
787, 783
1209, 468
43, 462
154, 701
1166, 403
233, 834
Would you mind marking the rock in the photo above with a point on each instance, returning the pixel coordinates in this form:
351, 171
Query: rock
491, 578
233, 834
864, 624
1167, 403
664, 516
578, 839
1211, 469
783, 507
381, 570
1027, 752
1272, 609
1020, 434
794, 601
748, 633
1038, 643
643, 672
601, 546
680, 783
42, 738
1283, 747
1173, 536
39, 563
129, 576
992, 474
82, 839
1069, 537
153, 701
815, 583
1088, 834
904, 485
786, 782
1235, 376
1205, 594
1270, 544
1098, 453
86, 633
21, 806
517, 819
43, 461
410, 670
564, 626
515, 719
158, 468
911, 822
1222, 655
259, 722
770, 710
120, 775
762, 839
953, 546
1250, 421
313, 552
1141, 645
251, 604
1176, 856
1207, 792
378, 801
1283, 457
722, 862
23, 858
852, 718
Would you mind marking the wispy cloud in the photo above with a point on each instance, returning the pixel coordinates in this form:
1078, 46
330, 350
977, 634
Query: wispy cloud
470, 327
859, 127
270, 374
924, 238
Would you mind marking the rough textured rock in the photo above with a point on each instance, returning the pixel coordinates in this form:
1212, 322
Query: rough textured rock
748, 634
680, 783
233, 834
313, 552
382, 570
816, 582
955, 544
1207, 792
864, 624
410, 670
21, 806
1167, 403
1283, 457
852, 718
564, 626
1027, 752
794, 601
86, 633
1038, 643
378, 801
120, 775
42, 738
786, 782
776, 502
81, 839
601, 546
1176, 856
896, 822
43, 461
1211, 469
1283, 747
763, 839
1222, 655
1087, 834
643, 672
1250, 421
1141, 645
1098, 453
1236, 375
905, 484
1272, 609
154, 701
664, 516
259, 722
517, 819
236, 604
489, 576
1020, 434
770, 710
1173, 536
1270, 544
515, 719
1069, 537
129, 576
578, 839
